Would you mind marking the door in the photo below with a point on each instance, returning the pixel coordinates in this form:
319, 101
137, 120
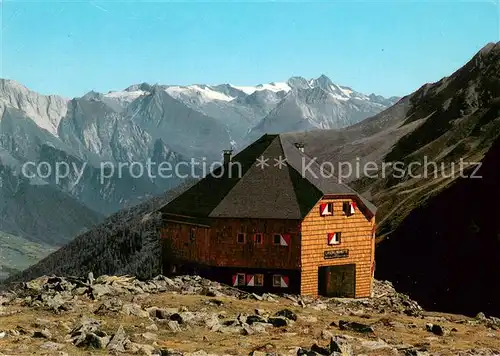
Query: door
337, 281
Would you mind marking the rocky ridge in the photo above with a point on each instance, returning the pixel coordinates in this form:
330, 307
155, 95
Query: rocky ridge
189, 315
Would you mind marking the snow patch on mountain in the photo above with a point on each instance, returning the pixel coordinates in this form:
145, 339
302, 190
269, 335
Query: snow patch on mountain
201, 92
126, 96
273, 86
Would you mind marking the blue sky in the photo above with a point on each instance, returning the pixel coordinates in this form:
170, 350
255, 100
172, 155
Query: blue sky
390, 48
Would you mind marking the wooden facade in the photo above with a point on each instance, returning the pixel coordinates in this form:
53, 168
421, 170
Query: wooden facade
356, 238
218, 245
212, 248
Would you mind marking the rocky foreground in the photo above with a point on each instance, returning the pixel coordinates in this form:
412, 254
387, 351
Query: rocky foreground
189, 315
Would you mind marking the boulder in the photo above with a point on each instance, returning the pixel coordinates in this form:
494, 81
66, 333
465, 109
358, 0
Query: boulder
134, 310
326, 335
304, 352
146, 350
255, 319
260, 327
262, 313
212, 322
173, 326
177, 317
43, 334
247, 330
99, 290
56, 303
118, 340
354, 326
85, 325
152, 327
150, 336
339, 346
109, 306
436, 329
287, 313
320, 350
278, 321
94, 341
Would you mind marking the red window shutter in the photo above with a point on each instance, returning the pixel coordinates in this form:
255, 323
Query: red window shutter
322, 208
235, 280
284, 281
285, 239
326, 209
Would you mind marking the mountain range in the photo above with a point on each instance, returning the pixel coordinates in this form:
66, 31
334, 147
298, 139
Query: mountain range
437, 236
142, 123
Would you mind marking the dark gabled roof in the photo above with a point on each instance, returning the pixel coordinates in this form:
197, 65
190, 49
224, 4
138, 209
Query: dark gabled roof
289, 192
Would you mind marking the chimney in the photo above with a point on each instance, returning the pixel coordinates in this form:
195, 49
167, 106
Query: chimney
300, 146
227, 156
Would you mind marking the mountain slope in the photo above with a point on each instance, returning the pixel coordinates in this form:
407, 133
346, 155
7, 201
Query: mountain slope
460, 121
46, 111
319, 104
450, 245
35, 219
126, 243
187, 131
29, 210
93, 131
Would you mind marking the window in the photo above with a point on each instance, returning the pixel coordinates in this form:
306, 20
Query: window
259, 280
257, 238
326, 209
241, 238
240, 279
334, 238
276, 280
349, 208
277, 239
